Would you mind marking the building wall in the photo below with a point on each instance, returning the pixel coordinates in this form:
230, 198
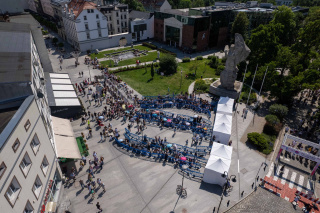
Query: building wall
92, 21
148, 33
47, 8
187, 36
32, 5
70, 30
165, 6
118, 19
12, 159
12, 6
158, 29
202, 40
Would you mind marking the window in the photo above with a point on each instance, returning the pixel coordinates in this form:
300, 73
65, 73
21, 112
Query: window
125, 24
97, 16
35, 144
117, 14
86, 26
27, 125
88, 35
98, 24
110, 18
121, 16
88, 10
121, 24
37, 186
16, 145
3, 168
117, 21
85, 18
25, 164
92, 11
28, 208
13, 191
118, 30
99, 33
111, 26
44, 165
125, 16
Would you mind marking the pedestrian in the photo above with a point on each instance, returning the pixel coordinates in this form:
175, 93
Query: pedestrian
103, 187
99, 207
101, 162
82, 73
81, 184
84, 159
60, 67
101, 136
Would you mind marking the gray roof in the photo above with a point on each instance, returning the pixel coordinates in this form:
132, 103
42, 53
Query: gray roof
38, 39
5, 117
134, 14
15, 52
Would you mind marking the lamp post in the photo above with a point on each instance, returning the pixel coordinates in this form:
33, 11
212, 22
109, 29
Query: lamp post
184, 167
225, 175
181, 78
89, 72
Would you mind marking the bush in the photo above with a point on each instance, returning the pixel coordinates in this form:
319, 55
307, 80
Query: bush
223, 60
167, 52
184, 60
258, 140
214, 62
201, 86
272, 120
152, 46
252, 99
199, 58
168, 64
210, 56
219, 69
278, 110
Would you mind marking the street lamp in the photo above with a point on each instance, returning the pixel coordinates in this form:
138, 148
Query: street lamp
181, 78
89, 71
184, 167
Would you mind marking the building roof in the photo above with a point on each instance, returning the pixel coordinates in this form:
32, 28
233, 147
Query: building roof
5, 117
37, 37
134, 14
15, 52
79, 5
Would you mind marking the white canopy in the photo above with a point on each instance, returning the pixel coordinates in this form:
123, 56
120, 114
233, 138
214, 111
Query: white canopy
66, 144
225, 105
222, 151
214, 169
222, 128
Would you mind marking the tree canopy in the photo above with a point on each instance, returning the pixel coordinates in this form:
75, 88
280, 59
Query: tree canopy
240, 25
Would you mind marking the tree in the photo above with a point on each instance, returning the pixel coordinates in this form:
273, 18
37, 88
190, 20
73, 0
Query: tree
198, 3
240, 25
152, 71
61, 44
284, 16
185, 4
272, 120
55, 40
278, 110
168, 64
258, 140
133, 5
284, 57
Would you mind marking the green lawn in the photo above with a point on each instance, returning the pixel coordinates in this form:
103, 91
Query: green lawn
102, 54
149, 57
138, 79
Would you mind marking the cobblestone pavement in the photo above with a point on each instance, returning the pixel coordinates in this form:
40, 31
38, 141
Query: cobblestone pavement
263, 201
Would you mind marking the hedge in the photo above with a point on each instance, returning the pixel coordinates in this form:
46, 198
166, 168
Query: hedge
199, 58
152, 46
167, 52
135, 67
185, 60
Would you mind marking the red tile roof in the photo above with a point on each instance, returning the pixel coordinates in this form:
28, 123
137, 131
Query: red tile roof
79, 5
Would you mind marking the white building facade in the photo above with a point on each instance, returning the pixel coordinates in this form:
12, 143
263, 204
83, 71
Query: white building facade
30, 178
142, 25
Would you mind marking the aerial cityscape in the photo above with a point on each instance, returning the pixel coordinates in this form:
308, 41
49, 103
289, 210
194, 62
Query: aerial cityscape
159, 106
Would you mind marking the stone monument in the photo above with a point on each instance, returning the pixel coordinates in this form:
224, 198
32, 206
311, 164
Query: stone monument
227, 85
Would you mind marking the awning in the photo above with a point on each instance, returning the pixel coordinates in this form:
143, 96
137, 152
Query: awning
66, 144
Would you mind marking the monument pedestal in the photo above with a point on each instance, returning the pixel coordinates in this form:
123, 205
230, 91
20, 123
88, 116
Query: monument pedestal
217, 89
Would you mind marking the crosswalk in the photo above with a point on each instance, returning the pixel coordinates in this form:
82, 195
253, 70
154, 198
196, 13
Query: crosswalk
293, 179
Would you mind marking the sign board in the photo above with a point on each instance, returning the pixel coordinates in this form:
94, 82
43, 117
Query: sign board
301, 153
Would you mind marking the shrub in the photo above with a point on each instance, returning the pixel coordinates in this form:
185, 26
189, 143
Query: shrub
213, 62
278, 110
223, 60
201, 86
210, 56
252, 99
219, 69
272, 120
152, 46
167, 52
184, 60
168, 64
258, 140
199, 58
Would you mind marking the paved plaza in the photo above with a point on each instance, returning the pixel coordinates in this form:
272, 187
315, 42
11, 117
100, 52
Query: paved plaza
139, 185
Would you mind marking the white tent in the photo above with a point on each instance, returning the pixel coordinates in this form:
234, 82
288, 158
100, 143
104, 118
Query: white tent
222, 151
214, 170
225, 105
222, 128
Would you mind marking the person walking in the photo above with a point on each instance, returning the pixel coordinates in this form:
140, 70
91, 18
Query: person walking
98, 207
81, 184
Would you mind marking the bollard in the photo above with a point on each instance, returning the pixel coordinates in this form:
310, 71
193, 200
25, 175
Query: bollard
257, 178
252, 185
242, 193
214, 209
228, 202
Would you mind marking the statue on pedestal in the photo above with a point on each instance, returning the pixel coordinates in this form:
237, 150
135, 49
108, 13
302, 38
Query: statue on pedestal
238, 52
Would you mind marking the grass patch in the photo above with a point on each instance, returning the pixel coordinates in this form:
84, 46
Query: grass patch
244, 95
102, 54
140, 80
149, 57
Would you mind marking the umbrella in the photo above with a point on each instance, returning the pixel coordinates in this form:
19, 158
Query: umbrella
164, 119
195, 116
169, 120
101, 117
154, 115
123, 106
170, 102
187, 123
205, 128
169, 145
130, 106
183, 158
